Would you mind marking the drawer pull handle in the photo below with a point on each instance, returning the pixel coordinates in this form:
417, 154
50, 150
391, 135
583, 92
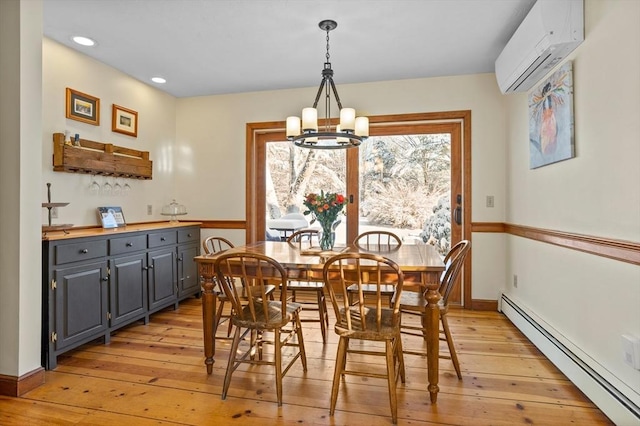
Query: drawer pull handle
163, 239
129, 244
84, 251
189, 235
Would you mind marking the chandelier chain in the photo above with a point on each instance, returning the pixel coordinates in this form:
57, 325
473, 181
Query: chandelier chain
328, 44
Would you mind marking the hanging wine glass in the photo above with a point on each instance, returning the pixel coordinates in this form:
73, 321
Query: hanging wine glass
94, 188
126, 189
117, 188
106, 187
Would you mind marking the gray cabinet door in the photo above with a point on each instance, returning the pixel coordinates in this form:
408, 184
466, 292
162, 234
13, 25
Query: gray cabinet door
188, 282
162, 277
128, 288
81, 303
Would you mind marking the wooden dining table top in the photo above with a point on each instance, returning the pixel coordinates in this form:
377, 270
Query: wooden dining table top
419, 258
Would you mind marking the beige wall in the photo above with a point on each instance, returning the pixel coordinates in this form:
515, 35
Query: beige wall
587, 300
64, 67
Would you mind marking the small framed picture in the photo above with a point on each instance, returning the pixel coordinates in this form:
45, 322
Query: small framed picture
124, 120
82, 107
111, 217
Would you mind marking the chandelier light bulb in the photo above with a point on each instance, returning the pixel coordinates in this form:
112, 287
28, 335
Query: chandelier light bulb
293, 126
347, 119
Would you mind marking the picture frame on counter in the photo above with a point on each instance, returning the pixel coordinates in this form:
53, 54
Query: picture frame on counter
111, 217
82, 107
124, 120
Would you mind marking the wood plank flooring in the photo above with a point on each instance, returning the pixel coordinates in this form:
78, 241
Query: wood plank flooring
155, 374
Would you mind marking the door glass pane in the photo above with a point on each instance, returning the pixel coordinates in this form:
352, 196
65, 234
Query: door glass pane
291, 173
405, 186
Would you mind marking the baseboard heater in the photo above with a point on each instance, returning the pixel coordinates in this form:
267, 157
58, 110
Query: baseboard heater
615, 404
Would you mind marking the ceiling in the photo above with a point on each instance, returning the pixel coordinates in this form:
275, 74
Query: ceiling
207, 47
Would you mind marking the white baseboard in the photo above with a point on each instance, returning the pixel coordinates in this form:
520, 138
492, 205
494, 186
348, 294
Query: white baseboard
605, 392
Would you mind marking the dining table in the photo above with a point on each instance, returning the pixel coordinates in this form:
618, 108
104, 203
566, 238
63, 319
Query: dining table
420, 263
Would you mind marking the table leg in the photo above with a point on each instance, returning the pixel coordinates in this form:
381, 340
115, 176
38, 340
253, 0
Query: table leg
432, 318
209, 302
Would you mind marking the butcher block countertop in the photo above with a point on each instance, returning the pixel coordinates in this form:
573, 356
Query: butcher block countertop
99, 231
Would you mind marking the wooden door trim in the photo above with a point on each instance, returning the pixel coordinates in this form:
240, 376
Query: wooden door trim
253, 130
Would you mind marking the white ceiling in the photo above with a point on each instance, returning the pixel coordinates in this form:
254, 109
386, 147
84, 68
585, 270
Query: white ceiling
206, 47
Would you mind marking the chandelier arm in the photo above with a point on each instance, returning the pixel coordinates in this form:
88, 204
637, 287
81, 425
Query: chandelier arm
322, 83
335, 93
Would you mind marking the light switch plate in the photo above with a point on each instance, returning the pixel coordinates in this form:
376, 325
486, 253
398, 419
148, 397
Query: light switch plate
631, 350
490, 201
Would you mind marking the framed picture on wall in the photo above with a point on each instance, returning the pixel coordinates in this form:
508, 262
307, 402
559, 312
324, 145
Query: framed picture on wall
82, 107
124, 120
551, 137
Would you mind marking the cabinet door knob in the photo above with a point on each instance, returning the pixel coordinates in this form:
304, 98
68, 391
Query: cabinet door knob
105, 278
179, 259
150, 266
144, 268
84, 251
189, 235
129, 244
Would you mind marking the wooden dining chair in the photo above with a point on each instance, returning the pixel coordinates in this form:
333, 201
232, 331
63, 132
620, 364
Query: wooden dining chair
372, 322
213, 245
414, 303
260, 315
376, 241
306, 239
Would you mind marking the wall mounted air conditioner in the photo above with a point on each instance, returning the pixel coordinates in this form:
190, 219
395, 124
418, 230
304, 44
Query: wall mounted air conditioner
549, 32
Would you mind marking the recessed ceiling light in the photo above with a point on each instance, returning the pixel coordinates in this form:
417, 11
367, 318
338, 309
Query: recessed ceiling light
158, 80
84, 41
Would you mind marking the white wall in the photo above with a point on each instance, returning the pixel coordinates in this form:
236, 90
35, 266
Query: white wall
590, 301
211, 140
64, 67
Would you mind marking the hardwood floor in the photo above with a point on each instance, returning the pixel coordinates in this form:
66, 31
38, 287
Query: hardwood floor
155, 374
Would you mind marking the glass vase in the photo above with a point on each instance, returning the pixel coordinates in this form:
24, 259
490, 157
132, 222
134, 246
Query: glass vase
327, 236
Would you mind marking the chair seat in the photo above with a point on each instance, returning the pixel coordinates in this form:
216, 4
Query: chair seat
415, 301
385, 289
370, 330
271, 319
305, 285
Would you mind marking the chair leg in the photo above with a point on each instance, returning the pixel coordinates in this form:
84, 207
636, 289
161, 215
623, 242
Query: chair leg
231, 364
341, 357
390, 352
303, 352
452, 349
399, 354
278, 364
219, 314
322, 312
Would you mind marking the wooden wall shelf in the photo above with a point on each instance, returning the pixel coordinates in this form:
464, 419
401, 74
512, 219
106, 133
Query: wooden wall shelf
98, 158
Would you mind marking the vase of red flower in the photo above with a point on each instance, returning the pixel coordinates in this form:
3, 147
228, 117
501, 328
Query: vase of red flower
325, 208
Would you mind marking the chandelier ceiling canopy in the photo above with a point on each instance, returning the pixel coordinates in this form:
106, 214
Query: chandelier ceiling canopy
349, 133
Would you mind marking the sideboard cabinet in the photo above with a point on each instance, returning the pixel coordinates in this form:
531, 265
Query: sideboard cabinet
95, 281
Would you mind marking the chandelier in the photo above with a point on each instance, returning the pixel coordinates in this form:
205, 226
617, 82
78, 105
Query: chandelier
349, 133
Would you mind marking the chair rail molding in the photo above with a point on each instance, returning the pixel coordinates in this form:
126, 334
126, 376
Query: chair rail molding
621, 250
